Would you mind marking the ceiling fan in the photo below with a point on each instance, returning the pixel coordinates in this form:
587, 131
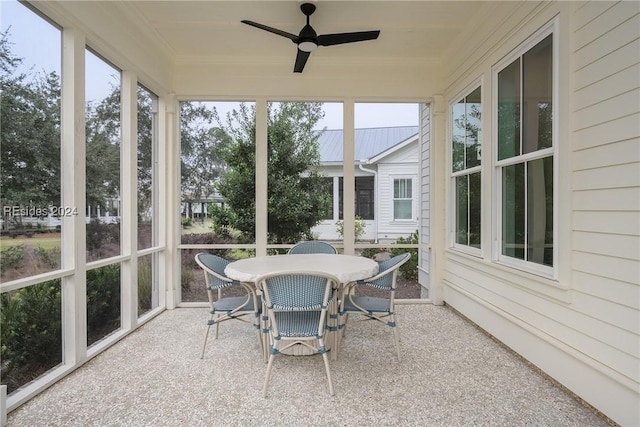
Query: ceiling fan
308, 40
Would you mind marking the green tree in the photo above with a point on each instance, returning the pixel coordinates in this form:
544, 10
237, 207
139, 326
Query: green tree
201, 151
102, 129
30, 135
145, 150
30, 138
297, 196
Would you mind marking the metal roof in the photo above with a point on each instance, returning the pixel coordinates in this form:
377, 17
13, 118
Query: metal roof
369, 142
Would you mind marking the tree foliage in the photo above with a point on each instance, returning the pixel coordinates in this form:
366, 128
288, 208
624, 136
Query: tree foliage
201, 151
297, 196
102, 129
30, 134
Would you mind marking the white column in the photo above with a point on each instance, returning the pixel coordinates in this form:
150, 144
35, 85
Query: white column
156, 215
73, 195
169, 187
129, 197
438, 197
262, 165
348, 171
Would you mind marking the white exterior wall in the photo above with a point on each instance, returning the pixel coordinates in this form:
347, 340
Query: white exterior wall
583, 327
402, 164
424, 261
327, 229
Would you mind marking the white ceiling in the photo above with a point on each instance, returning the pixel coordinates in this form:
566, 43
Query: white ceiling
194, 31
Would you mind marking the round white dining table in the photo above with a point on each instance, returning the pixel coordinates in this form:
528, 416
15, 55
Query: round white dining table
346, 268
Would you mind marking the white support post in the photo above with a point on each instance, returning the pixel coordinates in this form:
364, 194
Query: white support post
262, 165
73, 195
158, 218
168, 185
129, 198
438, 198
349, 182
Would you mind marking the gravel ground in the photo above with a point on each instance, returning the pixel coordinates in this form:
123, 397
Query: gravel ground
451, 374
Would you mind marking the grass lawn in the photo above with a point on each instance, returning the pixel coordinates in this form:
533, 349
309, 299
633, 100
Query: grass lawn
49, 242
198, 226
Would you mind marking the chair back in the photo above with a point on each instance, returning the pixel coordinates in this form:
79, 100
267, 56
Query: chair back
313, 247
297, 291
297, 303
387, 272
213, 267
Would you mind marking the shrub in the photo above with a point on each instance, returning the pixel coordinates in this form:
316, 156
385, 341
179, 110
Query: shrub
358, 226
50, 257
145, 284
103, 301
31, 323
11, 256
410, 268
102, 239
187, 278
371, 252
145, 235
31, 332
188, 255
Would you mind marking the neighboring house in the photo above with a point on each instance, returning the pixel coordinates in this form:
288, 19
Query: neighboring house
50, 217
386, 174
198, 208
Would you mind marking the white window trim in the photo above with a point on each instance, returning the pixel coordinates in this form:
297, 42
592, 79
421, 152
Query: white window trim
551, 27
414, 179
451, 193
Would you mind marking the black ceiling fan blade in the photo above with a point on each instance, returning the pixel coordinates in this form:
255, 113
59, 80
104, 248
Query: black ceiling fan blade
301, 60
340, 38
292, 37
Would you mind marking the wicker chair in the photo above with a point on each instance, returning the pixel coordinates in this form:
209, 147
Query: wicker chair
375, 308
313, 247
227, 308
298, 307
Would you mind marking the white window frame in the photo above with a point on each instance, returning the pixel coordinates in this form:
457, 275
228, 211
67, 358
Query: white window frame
550, 272
413, 179
464, 172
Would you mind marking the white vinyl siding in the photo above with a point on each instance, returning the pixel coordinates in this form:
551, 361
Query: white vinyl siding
397, 168
424, 259
583, 328
606, 178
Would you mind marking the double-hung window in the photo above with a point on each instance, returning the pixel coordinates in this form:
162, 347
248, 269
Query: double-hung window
525, 156
466, 135
402, 199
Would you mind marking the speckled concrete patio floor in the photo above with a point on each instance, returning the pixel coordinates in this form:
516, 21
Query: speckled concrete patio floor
451, 374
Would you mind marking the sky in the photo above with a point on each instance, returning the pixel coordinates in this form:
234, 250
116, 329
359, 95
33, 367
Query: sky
38, 42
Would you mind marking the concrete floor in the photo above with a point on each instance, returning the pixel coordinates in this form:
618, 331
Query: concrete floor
450, 374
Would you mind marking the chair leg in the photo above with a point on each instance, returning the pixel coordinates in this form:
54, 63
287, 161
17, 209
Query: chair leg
260, 342
341, 331
332, 338
204, 343
268, 375
266, 339
396, 335
326, 366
